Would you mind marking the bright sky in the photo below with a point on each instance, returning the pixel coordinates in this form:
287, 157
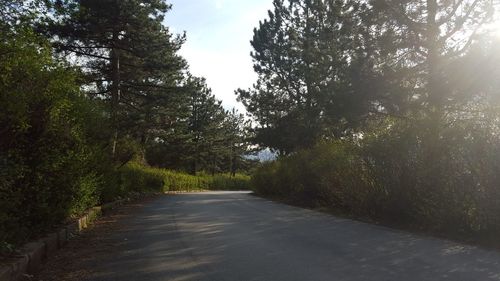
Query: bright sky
218, 41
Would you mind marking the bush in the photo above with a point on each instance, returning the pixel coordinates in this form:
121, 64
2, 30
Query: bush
326, 175
229, 182
400, 172
135, 177
179, 181
446, 181
46, 158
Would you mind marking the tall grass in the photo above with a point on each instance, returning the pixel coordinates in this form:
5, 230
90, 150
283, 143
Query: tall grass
136, 177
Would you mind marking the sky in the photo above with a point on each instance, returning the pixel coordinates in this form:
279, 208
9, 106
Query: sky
218, 41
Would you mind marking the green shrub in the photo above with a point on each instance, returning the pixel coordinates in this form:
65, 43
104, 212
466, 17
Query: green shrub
179, 181
446, 181
400, 172
326, 175
46, 157
229, 182
135, 177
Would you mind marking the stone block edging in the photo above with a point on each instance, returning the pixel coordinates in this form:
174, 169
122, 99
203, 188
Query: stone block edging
34, 254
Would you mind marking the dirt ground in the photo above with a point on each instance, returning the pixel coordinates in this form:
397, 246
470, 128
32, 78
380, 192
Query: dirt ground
92, 244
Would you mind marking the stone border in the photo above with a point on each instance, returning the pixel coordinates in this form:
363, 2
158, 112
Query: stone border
33, 255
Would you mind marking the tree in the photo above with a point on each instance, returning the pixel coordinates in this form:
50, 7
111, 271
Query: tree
427, 36
314, 62
129, 56
205, 137
325, 66
205, 127
236, 132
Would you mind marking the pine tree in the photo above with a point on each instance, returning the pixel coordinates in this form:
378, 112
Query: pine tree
236, 132
205, 127
129, 57
427, 36
313, 59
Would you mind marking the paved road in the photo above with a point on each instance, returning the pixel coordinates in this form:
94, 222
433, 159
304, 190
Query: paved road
238, 237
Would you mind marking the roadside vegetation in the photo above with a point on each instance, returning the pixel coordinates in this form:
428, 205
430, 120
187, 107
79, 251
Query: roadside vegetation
383, 110
391, 177
97, 104
139, 177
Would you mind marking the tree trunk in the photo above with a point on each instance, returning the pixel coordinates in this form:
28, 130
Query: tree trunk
115, 91
434, 80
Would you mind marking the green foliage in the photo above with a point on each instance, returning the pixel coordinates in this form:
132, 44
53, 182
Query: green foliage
229, 182
136, 178
325, 67
46, 158
140, 178
83, 106
449, 182
175, 181
325, 70
326, 175
129, 63
314, 61
207, 137
400, 174
158, 112
408, 105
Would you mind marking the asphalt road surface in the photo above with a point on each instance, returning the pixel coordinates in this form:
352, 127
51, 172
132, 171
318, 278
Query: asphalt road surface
233, 236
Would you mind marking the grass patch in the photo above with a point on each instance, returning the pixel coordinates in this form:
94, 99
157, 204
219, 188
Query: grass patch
137, 177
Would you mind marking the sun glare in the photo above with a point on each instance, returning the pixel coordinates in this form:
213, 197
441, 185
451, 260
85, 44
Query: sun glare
496, 24
493, 28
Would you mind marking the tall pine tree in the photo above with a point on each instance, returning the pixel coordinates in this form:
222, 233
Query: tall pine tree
314, 60
129, 56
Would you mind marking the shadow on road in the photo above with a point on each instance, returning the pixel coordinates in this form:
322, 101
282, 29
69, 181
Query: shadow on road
234, 236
